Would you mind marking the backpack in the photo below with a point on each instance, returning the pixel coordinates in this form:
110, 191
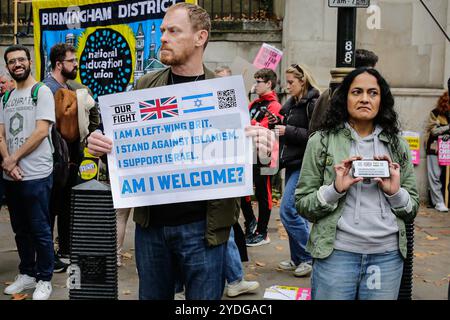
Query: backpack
59, 145
61, 159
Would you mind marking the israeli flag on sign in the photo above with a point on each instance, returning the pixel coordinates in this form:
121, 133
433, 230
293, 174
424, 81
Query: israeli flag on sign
198, 103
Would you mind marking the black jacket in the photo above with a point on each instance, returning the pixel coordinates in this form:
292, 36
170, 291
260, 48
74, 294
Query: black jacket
296, 119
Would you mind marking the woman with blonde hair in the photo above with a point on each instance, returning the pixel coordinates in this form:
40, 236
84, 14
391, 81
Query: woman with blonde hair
293, 131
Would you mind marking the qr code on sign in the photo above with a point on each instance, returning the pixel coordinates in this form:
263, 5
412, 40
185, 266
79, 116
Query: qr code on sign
227, 99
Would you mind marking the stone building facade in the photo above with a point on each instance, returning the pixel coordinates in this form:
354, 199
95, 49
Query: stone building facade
414, 54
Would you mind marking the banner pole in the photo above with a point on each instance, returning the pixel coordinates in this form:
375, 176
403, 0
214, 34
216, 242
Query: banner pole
15, 20
447, 172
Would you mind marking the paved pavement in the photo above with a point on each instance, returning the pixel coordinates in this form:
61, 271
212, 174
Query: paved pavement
431, 264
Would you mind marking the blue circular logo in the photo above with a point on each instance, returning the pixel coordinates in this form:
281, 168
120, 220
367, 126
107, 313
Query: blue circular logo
106, 62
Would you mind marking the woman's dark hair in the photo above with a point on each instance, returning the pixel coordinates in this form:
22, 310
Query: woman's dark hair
387, 118
337, 114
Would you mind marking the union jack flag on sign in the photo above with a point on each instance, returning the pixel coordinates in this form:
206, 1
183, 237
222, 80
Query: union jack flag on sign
158, 108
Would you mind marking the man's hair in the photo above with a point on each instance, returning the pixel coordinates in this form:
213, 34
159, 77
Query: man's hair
5, 73
267, 75
365, 58
199, 18
221, 69
58, 52
16, 47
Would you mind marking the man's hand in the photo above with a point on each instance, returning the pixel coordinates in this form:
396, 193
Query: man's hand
99, 144
344, 179
16, 174
390, 185
263, 139
9, 163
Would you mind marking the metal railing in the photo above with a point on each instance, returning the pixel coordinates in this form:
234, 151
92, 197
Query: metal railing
24, 13
238, 9
218, 9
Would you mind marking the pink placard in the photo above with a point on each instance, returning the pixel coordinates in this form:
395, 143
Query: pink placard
443, 152
268, 57
303, 294
415, 157
413, 139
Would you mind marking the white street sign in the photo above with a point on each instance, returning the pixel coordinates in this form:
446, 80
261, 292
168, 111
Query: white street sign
348, 3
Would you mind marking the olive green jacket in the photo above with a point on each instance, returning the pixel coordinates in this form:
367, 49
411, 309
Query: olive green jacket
322, 153
220, 214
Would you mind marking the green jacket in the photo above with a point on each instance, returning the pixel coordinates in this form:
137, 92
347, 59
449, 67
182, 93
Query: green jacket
314, 174
220, 214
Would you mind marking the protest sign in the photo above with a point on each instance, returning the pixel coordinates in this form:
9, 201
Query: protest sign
246, 69
116, 42
443, 152
179, 143
268, 57
287, 293
413, 139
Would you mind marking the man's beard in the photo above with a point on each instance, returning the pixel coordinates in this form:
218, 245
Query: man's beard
71, 75
23, 76
172, 60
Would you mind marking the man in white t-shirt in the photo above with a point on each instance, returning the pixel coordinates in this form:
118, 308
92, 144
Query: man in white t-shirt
27, 165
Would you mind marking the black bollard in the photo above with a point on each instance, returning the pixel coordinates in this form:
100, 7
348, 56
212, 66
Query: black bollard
406, 285
93, 243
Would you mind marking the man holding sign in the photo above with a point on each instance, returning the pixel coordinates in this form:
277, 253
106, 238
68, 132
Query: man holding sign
181, 240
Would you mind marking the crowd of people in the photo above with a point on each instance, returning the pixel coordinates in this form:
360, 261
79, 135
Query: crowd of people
198, 247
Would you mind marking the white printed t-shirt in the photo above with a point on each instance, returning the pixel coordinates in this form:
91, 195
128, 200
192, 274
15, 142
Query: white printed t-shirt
19, 118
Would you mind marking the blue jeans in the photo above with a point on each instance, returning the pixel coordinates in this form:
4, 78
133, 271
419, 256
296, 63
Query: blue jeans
296, 226
233, 264
28, 203
162, 253
349, 276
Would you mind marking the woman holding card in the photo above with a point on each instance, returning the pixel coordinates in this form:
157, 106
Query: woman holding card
358, 240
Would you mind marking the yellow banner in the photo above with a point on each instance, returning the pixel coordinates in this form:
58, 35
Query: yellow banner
117, 42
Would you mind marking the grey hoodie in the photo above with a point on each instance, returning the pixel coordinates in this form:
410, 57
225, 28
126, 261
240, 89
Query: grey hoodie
367, 224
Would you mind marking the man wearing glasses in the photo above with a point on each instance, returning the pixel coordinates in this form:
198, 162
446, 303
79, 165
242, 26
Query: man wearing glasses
260, 109
64, 66
27, 169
